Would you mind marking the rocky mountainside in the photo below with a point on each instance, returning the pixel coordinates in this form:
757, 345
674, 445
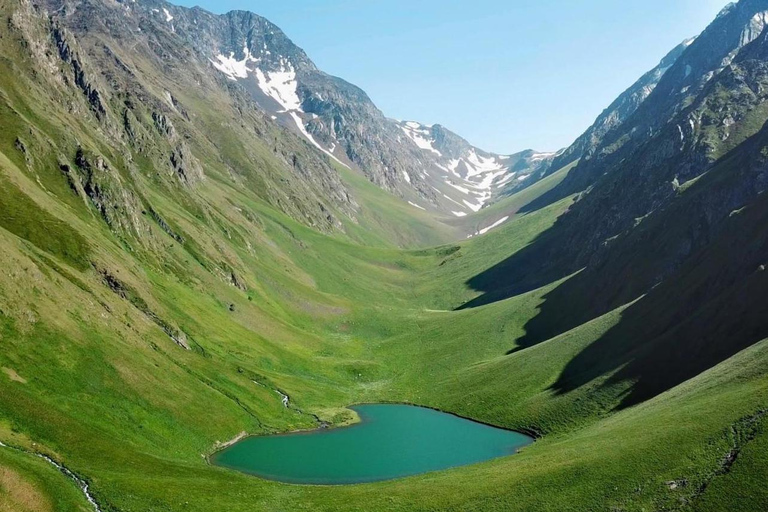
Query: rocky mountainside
705, 105
116, 116
339, 119
667, 208
736, 25
618, 111
693, 71
124, 71
464, 177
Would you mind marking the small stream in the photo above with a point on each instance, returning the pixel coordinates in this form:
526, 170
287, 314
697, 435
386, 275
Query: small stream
82, 484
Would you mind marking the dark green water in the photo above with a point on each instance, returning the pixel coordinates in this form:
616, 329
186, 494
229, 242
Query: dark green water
392, 441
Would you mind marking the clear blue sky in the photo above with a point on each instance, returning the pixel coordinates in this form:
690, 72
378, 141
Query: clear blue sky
505, 74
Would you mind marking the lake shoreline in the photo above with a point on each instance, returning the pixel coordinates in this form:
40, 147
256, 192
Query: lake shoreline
525, 431
358, 421
223, 457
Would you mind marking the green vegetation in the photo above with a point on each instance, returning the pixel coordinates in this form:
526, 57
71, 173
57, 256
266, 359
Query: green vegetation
145, 320
21, 216
330, 322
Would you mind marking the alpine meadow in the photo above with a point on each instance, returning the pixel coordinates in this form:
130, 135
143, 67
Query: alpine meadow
230, 283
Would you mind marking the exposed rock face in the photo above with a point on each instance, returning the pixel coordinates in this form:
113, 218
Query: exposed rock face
465, 177
339, 118
619, 111
102, 185
682, 74
704, 105
80, 78
667, 186
113, 52
269, 81
186, 165
331, 114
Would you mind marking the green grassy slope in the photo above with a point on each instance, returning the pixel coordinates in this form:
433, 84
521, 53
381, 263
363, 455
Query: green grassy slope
144, 325
30, 484
332, 323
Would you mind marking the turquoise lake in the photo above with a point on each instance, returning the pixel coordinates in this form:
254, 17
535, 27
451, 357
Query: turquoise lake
392, 441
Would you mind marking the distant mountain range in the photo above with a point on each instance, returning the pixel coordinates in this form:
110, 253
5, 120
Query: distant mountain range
431, 167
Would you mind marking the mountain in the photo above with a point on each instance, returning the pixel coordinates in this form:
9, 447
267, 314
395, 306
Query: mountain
619, 111
704, 106
183, 265
340, 120
465, 177
658, 210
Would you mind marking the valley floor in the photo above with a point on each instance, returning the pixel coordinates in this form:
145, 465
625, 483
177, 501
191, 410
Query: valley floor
90, 379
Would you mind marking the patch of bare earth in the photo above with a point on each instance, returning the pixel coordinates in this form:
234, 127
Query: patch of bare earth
15, 377
18, 495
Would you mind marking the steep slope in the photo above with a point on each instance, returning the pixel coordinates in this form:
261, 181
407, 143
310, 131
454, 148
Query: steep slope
661, 206
466, 178
167, 107
704, 59
134, 91
338, 118
335, 116
174, 262
619, 111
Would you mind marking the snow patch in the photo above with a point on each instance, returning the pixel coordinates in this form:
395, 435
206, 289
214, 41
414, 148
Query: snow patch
509, 177
421, 136
459, 188
475, 207
303, 129
538, 157
494, 225
281, 86
232, 67
417, 206
453, 200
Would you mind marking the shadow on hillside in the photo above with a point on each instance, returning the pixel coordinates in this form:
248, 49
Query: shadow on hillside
552, 256
712, 303
665, 339
519, 274
538, 264
712, 307
703, 282
548, 259
558, 193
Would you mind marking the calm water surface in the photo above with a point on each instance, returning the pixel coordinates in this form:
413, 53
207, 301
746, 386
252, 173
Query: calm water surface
392, 441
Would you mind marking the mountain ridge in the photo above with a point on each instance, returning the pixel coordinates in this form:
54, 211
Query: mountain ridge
332, 114
180, 269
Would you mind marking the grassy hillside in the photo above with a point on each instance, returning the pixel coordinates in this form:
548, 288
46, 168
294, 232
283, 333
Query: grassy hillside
94, 380
151, 311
